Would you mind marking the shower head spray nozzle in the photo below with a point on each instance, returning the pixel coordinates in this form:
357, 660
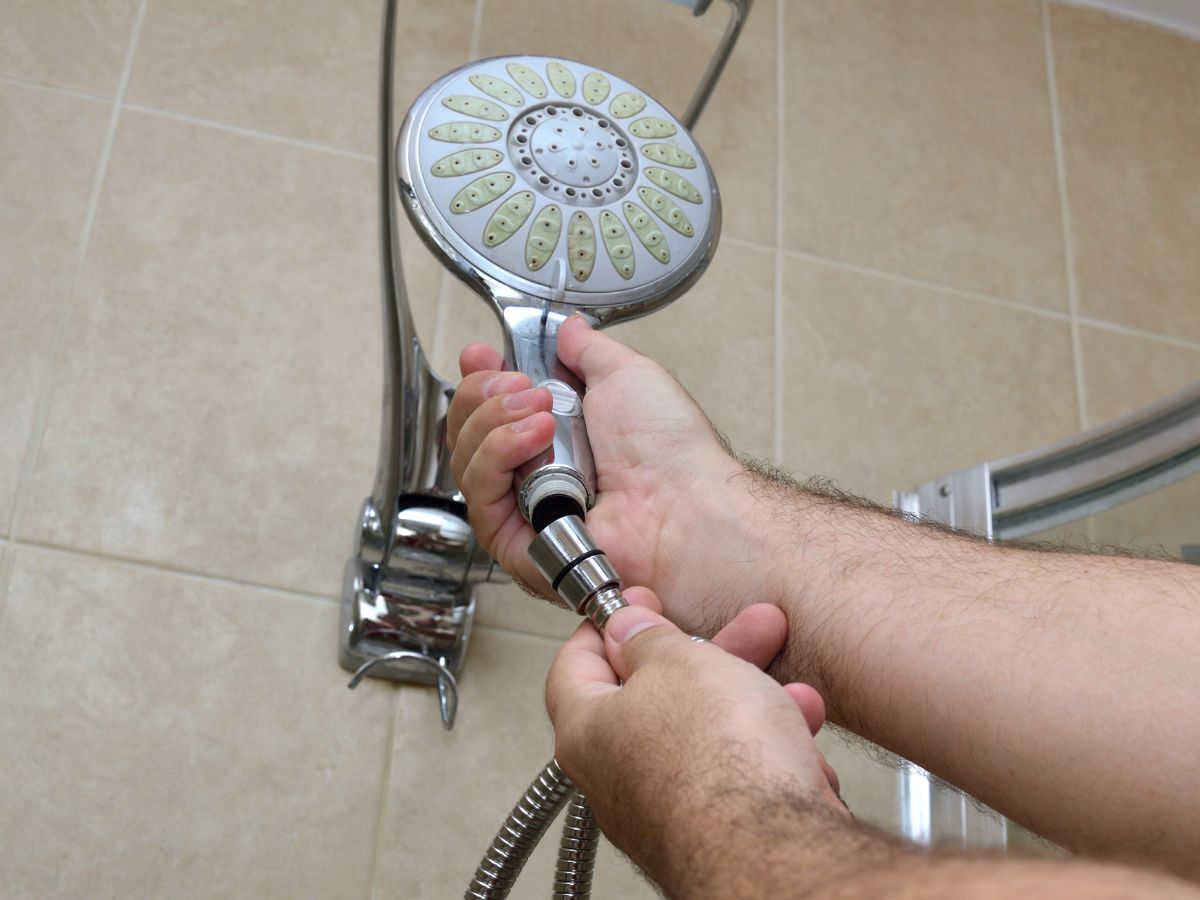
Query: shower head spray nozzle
543, 179
552, 188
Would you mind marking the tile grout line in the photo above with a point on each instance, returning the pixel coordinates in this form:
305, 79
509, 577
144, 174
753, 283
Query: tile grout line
1065, 217
168, 569
58, 345
174, 115
982, 298
1014, 305
54, 89
1129, 331
244, 131
913, 281
385, 788
777, 409
1089, 524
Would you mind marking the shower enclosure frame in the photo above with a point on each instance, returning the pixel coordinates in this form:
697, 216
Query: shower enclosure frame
1018, 496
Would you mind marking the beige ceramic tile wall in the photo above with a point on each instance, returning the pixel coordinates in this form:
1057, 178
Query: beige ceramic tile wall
78, 44
919, 141
1127, 187
937, 217
50, 146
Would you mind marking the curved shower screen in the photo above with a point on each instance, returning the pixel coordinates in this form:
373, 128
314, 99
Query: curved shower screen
1022, 495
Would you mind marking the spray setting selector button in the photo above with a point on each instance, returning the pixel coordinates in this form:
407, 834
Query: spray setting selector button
566, 400
572, 154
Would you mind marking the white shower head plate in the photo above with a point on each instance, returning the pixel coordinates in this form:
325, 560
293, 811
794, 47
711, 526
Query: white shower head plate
558, 181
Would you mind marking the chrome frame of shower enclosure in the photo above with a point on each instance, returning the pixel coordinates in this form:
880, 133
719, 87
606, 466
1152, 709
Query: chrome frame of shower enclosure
409, 583
1020, 495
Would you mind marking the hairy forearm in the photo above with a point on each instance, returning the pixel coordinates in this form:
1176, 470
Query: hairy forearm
751, 841
1057, 687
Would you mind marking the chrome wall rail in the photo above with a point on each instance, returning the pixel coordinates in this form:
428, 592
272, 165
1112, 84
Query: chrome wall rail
1094, 471
738, 11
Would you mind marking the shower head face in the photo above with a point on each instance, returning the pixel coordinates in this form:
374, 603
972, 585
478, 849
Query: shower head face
542, 179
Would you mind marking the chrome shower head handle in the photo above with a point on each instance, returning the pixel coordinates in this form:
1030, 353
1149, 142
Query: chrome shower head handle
551, 188
565, 473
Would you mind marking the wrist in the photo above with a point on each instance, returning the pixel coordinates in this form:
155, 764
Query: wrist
749, 837
710, 547
745, 534
807, 549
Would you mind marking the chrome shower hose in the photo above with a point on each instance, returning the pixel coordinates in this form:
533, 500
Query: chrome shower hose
576, 851
523, 829
519, 835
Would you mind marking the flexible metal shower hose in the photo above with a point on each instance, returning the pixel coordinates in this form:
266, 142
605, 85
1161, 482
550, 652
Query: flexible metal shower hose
523, 829
520, 833
576, 851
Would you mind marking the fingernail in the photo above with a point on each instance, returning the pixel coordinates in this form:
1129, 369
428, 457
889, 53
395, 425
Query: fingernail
519, 400
524, 425
496, 384
630, 620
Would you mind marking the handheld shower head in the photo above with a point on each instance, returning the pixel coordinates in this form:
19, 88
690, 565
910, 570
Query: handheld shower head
552, 188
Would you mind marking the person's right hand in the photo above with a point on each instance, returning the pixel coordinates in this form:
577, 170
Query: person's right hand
665, 485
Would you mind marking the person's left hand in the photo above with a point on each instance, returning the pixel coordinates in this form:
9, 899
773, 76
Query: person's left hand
690, 723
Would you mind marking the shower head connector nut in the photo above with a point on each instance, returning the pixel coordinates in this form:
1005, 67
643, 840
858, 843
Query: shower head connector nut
577, 569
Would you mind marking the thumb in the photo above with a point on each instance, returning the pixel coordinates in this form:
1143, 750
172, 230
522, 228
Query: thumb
635, 635
588, 353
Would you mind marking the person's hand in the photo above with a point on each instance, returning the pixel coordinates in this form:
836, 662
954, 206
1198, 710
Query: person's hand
662, 473
703, 770
692, 726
